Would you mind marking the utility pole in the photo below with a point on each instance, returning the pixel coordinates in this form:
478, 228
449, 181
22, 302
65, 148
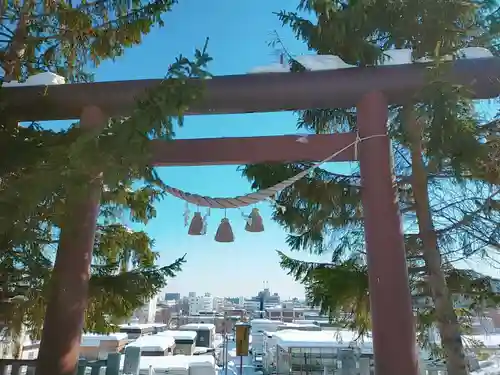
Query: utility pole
226, 343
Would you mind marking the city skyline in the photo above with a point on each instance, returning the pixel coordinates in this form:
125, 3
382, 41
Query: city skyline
284, 298
200, 294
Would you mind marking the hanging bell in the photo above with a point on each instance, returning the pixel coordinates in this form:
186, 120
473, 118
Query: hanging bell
224, 232
196, 226
254, 224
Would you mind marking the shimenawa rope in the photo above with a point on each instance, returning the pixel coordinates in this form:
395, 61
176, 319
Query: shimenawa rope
263, 194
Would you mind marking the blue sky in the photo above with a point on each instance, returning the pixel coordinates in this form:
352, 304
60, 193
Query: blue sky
239, 33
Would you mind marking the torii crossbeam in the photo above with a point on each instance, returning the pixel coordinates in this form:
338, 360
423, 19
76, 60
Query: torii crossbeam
370, 90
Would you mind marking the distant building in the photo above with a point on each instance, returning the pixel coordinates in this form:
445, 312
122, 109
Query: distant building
184, 306
285, 312
251, 305
222, 324
219, 304
234, 300
172, 296
199, 304
231, 311
268, 299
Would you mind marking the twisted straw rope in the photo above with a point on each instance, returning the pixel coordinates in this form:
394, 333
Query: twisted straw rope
263, 194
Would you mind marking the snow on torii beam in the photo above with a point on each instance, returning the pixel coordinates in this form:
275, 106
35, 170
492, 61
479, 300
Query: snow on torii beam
248, 93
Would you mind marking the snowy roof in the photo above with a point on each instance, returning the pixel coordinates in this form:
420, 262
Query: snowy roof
154, 343
265, 321
297, 325
136, 326
202, 349
296, 339
197, 327
93, 339
391, 57
90, 343
318, 339
179, 335
174, 362
308, 322
110, 336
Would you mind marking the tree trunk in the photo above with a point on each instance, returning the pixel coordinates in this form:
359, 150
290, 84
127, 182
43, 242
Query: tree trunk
449, 328
11, 59
65, 313
125, 261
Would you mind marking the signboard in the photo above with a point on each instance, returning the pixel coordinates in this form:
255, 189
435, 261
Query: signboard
242, 339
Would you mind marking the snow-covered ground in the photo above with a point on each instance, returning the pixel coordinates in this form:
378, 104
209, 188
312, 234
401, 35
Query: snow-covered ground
488, 367
490, 343
233, 365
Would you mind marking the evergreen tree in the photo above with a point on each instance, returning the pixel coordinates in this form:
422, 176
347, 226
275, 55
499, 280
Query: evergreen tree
64, 36
40, 168
449, 193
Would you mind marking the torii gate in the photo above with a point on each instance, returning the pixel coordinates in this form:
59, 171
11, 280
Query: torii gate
370, 90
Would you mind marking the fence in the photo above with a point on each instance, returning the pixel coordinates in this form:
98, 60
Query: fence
110, 366
317, 361
337, 361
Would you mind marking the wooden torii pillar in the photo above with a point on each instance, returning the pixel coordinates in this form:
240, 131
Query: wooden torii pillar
369, 89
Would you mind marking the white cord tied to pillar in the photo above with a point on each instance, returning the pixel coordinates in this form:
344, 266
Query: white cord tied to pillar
359, 140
